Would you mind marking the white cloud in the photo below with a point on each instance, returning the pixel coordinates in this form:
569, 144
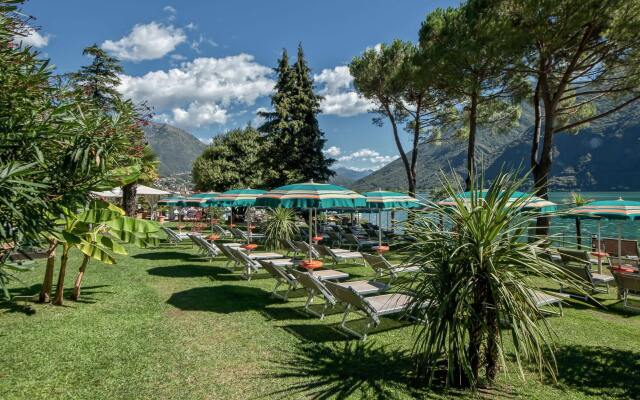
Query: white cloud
218, 80
340, 98
146, 42
169, 9
332, 151
206, 140
200, 92
178, 57
366, 159
195, 44
198, 115
32, 38
258, 119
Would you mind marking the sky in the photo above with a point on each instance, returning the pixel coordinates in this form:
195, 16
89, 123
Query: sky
206, 66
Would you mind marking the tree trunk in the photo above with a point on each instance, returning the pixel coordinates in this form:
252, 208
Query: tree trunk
75, 295
403, 155
414, 148
475, 332
59, 299
129, 199
471, 147
47, 283
542, 169
578, 233
491, 351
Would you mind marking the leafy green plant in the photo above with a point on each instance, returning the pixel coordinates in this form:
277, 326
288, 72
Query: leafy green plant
478, 274
280, 226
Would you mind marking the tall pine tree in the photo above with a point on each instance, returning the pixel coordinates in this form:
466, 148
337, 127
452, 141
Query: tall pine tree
98, 82
293, 137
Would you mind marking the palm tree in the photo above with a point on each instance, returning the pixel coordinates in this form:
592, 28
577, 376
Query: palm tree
280, 226
477, 276
577, 200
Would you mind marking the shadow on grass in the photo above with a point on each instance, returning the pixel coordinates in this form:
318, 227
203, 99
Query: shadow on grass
345, 370
165, 255
600, 371
323, 332
223, 299
193, 271
24, 297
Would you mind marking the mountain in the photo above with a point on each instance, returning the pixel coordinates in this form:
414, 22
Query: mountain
347, 176
176, 149
604, 156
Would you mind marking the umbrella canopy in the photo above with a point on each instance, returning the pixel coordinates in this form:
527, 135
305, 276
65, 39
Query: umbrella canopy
140, 190
173, 201
195, 202
236, 198
389, 200
312, 195
608, 209
532, 202
204, 195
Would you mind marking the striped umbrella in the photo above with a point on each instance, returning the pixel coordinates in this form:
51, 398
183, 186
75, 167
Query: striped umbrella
531, 202
204, 195
237, 198
172, 202
620, 210
311, 196
383, 200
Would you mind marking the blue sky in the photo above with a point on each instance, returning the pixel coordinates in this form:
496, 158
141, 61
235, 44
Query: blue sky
205, 66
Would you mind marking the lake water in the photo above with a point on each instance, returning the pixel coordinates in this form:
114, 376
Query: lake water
565, 228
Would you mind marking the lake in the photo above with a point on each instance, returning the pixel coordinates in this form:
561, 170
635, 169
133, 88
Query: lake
565, 228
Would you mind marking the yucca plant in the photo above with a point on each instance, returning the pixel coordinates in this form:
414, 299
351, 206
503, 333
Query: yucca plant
279, 227
476, 285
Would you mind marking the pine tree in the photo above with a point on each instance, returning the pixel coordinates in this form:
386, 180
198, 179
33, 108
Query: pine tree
98, 80
97, 83
293, 139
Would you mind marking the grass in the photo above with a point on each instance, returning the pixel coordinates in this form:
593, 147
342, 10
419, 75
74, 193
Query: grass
165, 324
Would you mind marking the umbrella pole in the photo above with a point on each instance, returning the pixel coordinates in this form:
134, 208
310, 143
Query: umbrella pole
619, 244
310, 231
379, 227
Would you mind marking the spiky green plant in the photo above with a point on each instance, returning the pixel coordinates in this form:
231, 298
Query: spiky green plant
477, 277
280, 226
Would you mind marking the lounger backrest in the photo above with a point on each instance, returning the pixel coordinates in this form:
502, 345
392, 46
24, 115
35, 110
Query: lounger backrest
219, 230
288, 244
610, 245
278, 273
311, 282
377, 262
349, 296
577, 262
627, 281
228, 253
322, 250
170, 233
351, 238
244, 259
304, 247
237, 233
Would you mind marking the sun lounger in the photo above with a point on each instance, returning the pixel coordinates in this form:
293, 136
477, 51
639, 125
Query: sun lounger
340, 256
629, 253
353, 240
251, 266
221, 231
174, 237
372, 308
282, 277
628, 285
314, 284
382, 267
542, 299
578, 263
242, 235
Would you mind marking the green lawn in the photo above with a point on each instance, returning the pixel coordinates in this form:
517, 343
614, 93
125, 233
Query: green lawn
165, 324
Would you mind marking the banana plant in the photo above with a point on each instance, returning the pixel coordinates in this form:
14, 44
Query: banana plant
97, 232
